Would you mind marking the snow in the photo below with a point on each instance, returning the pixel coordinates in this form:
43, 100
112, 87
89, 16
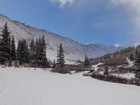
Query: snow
131, 63
95, 67
23, 86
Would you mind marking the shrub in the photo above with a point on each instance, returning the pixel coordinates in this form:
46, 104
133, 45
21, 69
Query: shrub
61, 70
116, 79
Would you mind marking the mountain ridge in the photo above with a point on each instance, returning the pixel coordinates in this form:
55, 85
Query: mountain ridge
73, 49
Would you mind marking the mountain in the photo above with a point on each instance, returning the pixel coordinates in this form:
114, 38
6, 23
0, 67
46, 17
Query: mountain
73, 50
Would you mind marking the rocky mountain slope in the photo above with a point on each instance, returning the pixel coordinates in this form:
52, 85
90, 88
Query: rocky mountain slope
73, 50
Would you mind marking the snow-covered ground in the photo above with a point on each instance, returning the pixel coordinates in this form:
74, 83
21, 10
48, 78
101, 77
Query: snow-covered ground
23, 86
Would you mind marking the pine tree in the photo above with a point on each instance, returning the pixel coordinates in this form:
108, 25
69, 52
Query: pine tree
41, 59
6, 36
54, 64
37, 52
32, 52
86, 61
131, 57
19, 51
13, 49
60, 57
44, 60
23, 51
5, 54
137, 62
137, 56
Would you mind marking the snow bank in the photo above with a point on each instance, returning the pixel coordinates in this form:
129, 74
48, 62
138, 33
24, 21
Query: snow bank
95, 67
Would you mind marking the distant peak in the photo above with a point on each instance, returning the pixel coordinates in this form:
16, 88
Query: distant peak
117, 45
89, 44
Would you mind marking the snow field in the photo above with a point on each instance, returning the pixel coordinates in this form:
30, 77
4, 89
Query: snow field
20, 86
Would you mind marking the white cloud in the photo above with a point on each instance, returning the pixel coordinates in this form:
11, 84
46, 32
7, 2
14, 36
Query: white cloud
76, 3
133, 3
131, 6
62, 3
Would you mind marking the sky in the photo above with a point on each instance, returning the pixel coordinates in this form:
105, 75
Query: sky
86, 21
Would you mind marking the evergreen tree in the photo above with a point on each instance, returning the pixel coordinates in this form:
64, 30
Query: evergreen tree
13, 49
137, 62
137, 56
23, 51
41, 59
32, 52
19, 51
44, 60
5, 44
131, 57
60, 57
86, 61
54, 64
37, 50
6, 36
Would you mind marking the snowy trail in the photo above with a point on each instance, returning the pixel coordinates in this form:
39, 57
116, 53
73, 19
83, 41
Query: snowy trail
30, 87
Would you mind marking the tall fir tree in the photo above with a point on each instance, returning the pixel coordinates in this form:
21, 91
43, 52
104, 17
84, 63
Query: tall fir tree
137, 55
5, 44
131, 57
38, 52
137, 62
32, 52
41, 59
6, 36
60, 57
86, 61
54, 64
45, 61
13, 49
23, 51
19, 51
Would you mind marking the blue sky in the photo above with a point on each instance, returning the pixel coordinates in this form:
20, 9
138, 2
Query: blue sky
86, 21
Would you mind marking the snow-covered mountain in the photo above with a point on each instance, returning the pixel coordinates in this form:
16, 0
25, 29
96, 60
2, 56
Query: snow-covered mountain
73, 50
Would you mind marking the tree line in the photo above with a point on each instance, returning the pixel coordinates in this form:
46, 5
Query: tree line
115, 54
33, 53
